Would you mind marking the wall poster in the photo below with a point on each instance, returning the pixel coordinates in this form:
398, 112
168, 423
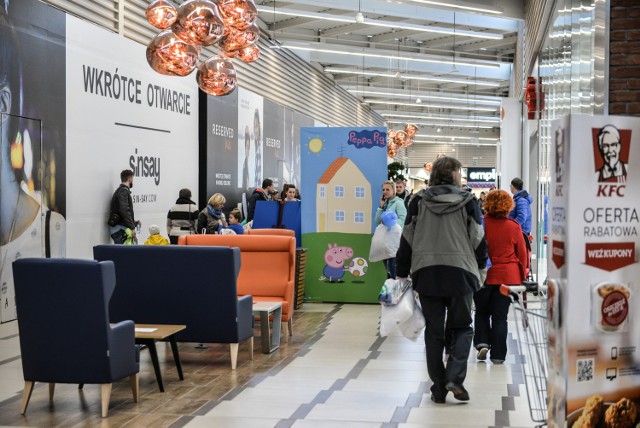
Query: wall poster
344, 169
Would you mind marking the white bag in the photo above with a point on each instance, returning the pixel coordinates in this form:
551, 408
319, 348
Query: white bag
392, 290
385, 242
404, 319
413, 327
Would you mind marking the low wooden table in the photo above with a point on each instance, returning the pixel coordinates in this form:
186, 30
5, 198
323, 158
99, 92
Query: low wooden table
148, 334
270, 337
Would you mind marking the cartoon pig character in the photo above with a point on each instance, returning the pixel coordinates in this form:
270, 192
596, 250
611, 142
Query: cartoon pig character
334, 258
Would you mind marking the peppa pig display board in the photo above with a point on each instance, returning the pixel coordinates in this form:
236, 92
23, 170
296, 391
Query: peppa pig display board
342, 174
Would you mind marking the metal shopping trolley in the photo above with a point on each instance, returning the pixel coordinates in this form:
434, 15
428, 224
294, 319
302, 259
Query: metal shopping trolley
531, 327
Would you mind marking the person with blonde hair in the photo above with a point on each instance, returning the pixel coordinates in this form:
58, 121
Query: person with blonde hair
508, 256
211, 218
391, 202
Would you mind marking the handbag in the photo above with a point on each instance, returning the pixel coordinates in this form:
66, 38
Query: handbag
114, 219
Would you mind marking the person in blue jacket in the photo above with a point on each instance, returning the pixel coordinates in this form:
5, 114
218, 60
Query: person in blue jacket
521, 212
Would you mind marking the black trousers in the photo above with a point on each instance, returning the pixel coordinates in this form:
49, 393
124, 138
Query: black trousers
457, 311
492, 309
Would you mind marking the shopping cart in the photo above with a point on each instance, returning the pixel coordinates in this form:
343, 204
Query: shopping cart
531, 327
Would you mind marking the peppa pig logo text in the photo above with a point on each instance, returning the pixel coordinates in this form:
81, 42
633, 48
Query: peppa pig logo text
367, 139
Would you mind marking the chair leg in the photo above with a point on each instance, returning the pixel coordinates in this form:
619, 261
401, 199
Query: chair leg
26, 396
52, 390
106, 396
284, 328
80, 385
290, 325
135, 386
251, 347
234, 355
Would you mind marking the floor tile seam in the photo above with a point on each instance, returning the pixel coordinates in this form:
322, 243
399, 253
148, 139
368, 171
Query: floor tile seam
323, 395
256, 380
11, 336
9, 360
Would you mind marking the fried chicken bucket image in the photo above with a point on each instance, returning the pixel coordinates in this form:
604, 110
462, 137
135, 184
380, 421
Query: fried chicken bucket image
598, 414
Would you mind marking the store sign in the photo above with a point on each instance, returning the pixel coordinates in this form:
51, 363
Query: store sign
594, 324
482, 175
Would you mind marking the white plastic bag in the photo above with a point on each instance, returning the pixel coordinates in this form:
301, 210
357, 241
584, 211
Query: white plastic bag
413, 327
394, 315
392, 290
385, 242
404, 319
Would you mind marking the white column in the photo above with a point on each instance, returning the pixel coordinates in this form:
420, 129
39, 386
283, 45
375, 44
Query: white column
509, 161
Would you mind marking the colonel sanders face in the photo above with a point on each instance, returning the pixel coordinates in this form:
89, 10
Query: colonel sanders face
609, 143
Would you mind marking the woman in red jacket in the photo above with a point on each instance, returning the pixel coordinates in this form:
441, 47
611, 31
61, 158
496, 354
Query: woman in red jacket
508, 256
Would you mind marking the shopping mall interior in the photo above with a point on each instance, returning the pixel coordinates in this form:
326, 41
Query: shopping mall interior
200, 98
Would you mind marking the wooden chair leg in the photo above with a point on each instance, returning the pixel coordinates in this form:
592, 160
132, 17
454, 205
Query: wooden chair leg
26, 396
234, 355
106, 396
290, 325
80, 385
135, 386
284, 328
52, 390
251, 347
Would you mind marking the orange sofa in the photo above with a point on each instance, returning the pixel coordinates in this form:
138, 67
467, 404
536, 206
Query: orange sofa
272, 232
267, 269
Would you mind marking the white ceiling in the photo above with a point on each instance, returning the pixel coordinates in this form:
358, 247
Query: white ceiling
443, 65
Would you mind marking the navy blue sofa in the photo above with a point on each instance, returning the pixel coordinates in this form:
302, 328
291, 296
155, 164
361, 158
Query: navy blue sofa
194, 286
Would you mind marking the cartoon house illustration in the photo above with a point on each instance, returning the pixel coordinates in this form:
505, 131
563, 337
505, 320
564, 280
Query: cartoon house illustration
343, 199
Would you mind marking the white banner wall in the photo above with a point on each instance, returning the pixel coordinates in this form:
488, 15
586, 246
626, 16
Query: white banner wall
123, 115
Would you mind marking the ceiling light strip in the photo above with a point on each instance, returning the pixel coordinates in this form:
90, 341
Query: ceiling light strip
422, 137
380, 23
423, 95
389, 56
454, 119
444, 106
456, 6
445, 125
409, 77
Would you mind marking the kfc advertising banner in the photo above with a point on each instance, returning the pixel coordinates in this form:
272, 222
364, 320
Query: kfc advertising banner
594, 276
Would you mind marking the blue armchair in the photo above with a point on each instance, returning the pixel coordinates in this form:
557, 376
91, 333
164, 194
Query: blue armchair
65, 335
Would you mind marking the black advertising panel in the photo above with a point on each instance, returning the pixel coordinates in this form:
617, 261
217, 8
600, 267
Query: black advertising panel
273, 154
222, 147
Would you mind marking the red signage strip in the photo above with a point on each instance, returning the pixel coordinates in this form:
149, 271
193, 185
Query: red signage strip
557, 255
610, 256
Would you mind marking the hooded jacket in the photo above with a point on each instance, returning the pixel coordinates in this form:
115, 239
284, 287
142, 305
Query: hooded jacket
443, 244
522, 210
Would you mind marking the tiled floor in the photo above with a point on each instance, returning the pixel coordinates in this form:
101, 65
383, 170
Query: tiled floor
335, 372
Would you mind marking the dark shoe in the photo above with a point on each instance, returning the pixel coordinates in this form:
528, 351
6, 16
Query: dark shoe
495, 361
482, 354
459, 393
438, 400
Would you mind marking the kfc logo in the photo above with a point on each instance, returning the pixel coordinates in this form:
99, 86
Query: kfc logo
611, 153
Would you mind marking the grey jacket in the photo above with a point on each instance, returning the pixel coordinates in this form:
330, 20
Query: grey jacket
443, 243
